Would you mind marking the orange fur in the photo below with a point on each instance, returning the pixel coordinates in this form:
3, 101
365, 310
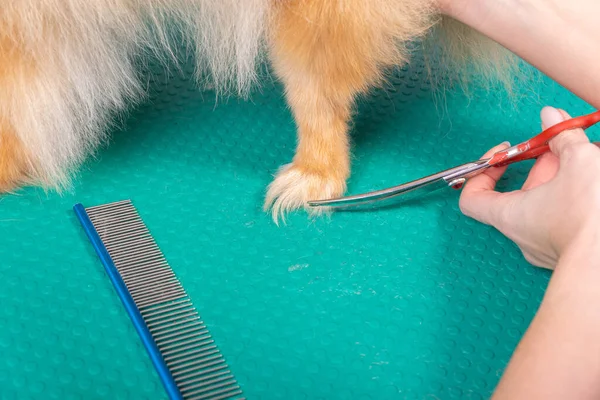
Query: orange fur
67, 66
13, 160
13, 157
326, 52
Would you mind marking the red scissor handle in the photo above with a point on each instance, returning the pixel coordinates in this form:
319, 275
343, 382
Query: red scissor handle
538, 145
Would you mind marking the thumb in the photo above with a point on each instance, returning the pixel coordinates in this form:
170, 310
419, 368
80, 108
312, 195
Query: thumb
550, 117
478, 198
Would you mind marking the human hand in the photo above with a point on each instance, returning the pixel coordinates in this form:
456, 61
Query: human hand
559, 202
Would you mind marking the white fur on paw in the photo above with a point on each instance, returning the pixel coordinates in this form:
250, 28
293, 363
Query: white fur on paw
293, 189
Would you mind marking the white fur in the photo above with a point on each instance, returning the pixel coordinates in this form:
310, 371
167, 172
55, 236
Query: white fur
294, 188
78, 65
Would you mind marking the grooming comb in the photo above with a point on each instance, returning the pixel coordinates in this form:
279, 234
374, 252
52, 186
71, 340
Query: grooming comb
185, 356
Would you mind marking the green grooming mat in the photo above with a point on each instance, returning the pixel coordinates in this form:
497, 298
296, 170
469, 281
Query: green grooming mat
410, 302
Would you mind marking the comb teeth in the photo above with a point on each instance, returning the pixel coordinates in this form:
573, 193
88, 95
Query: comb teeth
186, 347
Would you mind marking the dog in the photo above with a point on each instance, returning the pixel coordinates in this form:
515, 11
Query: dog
66, 68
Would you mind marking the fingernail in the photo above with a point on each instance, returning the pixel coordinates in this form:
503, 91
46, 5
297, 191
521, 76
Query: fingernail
551, 116
505, 144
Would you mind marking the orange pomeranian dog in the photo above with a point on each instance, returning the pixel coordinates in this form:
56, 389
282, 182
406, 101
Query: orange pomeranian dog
67, 66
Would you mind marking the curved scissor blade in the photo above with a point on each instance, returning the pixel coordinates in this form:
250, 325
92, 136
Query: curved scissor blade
429, 183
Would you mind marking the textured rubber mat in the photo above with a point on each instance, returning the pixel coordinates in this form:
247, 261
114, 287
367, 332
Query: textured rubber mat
405, 302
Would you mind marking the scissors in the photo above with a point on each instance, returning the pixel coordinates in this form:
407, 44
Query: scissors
456, 177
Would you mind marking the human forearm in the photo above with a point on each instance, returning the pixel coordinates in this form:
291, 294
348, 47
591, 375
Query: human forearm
559, 357
559, 37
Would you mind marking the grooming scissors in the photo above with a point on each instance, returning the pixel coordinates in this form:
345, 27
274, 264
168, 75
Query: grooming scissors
456, 177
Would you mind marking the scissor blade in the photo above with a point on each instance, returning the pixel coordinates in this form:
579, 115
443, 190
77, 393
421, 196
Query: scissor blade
379, 195
428, 184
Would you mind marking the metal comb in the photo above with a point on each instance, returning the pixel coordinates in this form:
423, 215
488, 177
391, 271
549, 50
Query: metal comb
182, 350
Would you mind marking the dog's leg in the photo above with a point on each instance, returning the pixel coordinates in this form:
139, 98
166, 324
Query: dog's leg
326, 52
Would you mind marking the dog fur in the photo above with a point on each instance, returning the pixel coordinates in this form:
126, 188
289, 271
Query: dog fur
66, 66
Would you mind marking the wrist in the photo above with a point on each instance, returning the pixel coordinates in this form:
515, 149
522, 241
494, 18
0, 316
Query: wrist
577, 275
584, 248
558, 356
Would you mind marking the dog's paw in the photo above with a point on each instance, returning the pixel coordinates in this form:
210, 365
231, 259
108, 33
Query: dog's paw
294, 187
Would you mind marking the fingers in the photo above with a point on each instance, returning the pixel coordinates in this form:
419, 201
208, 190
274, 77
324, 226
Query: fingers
488, 179
480, 201
550, 117
488, 207
478, 198
544, 169
546, 166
